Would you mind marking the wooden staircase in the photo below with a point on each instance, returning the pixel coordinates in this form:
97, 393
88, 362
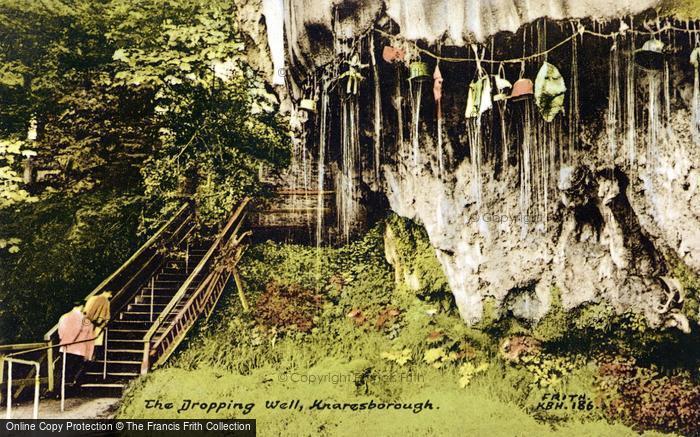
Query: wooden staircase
159, 294
126, 333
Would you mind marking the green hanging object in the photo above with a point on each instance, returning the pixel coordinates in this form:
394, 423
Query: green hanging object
695, 57
419, 71
549, 91
479, 97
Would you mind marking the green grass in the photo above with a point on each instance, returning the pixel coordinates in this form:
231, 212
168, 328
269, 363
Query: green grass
473, 411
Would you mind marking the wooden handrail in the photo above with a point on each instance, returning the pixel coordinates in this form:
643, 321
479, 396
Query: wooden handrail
182, 291
20, 347
147, 245
197, 270
207, 284
204, 305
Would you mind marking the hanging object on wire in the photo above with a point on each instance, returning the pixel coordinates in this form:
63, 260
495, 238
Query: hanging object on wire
354, 74
695, 57
308, 105
437, 90
522, 88
479, 97
392, 54
549, 91
501, 100
502, 85
419, 71
652, 54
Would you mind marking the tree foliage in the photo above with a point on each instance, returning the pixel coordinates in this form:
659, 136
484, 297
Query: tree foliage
148, 93
138, 104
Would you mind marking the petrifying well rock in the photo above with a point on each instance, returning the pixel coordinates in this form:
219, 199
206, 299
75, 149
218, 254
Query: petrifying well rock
599, 205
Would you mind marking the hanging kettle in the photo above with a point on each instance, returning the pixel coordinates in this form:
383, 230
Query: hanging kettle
418, 71
651, 55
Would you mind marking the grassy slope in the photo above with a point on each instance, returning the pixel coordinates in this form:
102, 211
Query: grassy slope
474, 411
233, 358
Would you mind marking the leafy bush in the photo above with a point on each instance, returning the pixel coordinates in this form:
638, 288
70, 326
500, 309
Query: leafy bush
547, 371
284, 307
649, 400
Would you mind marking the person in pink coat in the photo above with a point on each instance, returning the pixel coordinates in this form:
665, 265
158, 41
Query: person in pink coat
77, 334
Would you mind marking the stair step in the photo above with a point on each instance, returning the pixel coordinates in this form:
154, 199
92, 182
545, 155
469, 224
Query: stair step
156, 299
157, 307
125, 343
139, 315
102, 389
123, 362
143, 316
171, 276
156, 302
178, 268
130, 341
110, 373
132, 322
123, 334
103, 385
146, 291
119, 355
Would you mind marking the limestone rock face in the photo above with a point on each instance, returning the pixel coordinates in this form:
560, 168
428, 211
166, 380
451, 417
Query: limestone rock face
608, 227
605, 239
312, 23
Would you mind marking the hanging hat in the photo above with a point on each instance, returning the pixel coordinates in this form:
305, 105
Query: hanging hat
651, 55
419, 71
549, 91
522, 89
392, 54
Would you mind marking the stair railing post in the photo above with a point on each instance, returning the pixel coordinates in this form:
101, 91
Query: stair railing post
2, 376
146, 353
63, 381
104, 359
8, 414
187, 258
153, 280
36, 391
49, 365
